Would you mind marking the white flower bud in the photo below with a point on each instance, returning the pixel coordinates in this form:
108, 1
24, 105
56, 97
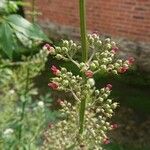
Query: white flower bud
58, 56
113, 44
114, 105
119, 61
65, 43
8, 132
115, 72
96, 63
41, 104
91, 82
99, 43
107, 40
64, 49
92, 66
12, 91
96, 92
108, 46
116, 65
65, 83
103, 67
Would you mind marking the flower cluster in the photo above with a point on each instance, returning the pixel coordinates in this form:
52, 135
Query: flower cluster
99, 107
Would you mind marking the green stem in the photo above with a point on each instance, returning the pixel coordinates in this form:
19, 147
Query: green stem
84, 57
83, 30
33, 11
23, 106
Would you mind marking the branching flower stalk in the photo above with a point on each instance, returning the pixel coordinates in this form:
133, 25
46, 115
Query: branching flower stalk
84, 124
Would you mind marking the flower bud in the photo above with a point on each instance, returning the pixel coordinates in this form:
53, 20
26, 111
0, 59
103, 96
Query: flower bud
107, 40
89, 74
113, 43
91, 82
65, 83
119, 61
53, 85
92, 66
41, 104
108, 46
58, 56
103, 67
55, 70
98, 110
97, 92
114, 105
109, 101
65, 43
64, 49
63, 70
100, 99
96, 63
99, 43
78, 94
115, 72
106, 141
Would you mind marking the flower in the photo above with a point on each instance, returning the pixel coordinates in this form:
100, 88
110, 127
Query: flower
60, 101
49, 48
8, 132
114, 49
114, 126
41, 104
50, 125
106, 141
53, 85
131, 60
91, 82
89, 73
109, 86
55, 70
122, 69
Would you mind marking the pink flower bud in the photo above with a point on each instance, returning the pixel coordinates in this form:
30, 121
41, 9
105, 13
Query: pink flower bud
89, 74
109, 86
131, 60
53, 85
49, 125
106, 141
55, 70
60, 101
122, 69
49, 48
115, 49
114, 126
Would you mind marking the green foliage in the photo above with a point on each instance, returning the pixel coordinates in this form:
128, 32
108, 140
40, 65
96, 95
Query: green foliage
24, 114
16, 34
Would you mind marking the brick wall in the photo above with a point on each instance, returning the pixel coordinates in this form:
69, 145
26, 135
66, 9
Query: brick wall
126, 18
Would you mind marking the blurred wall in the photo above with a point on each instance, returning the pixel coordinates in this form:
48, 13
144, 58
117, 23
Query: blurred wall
126, 20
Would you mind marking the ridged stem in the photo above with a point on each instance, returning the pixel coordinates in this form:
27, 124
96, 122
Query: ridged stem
82, 10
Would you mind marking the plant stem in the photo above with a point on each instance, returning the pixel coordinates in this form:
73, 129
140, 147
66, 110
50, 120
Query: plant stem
24, 105
84, 58
83, 30
33, 11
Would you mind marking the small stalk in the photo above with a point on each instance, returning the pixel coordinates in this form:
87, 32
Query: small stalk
82, 11
33, 11
23, 106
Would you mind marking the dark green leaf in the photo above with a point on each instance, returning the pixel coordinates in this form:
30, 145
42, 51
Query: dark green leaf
7, 42
19, 24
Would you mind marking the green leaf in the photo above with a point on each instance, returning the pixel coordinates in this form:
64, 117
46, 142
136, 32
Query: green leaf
7, 42
19, 24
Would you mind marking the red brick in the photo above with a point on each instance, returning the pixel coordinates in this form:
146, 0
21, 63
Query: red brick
129, 18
